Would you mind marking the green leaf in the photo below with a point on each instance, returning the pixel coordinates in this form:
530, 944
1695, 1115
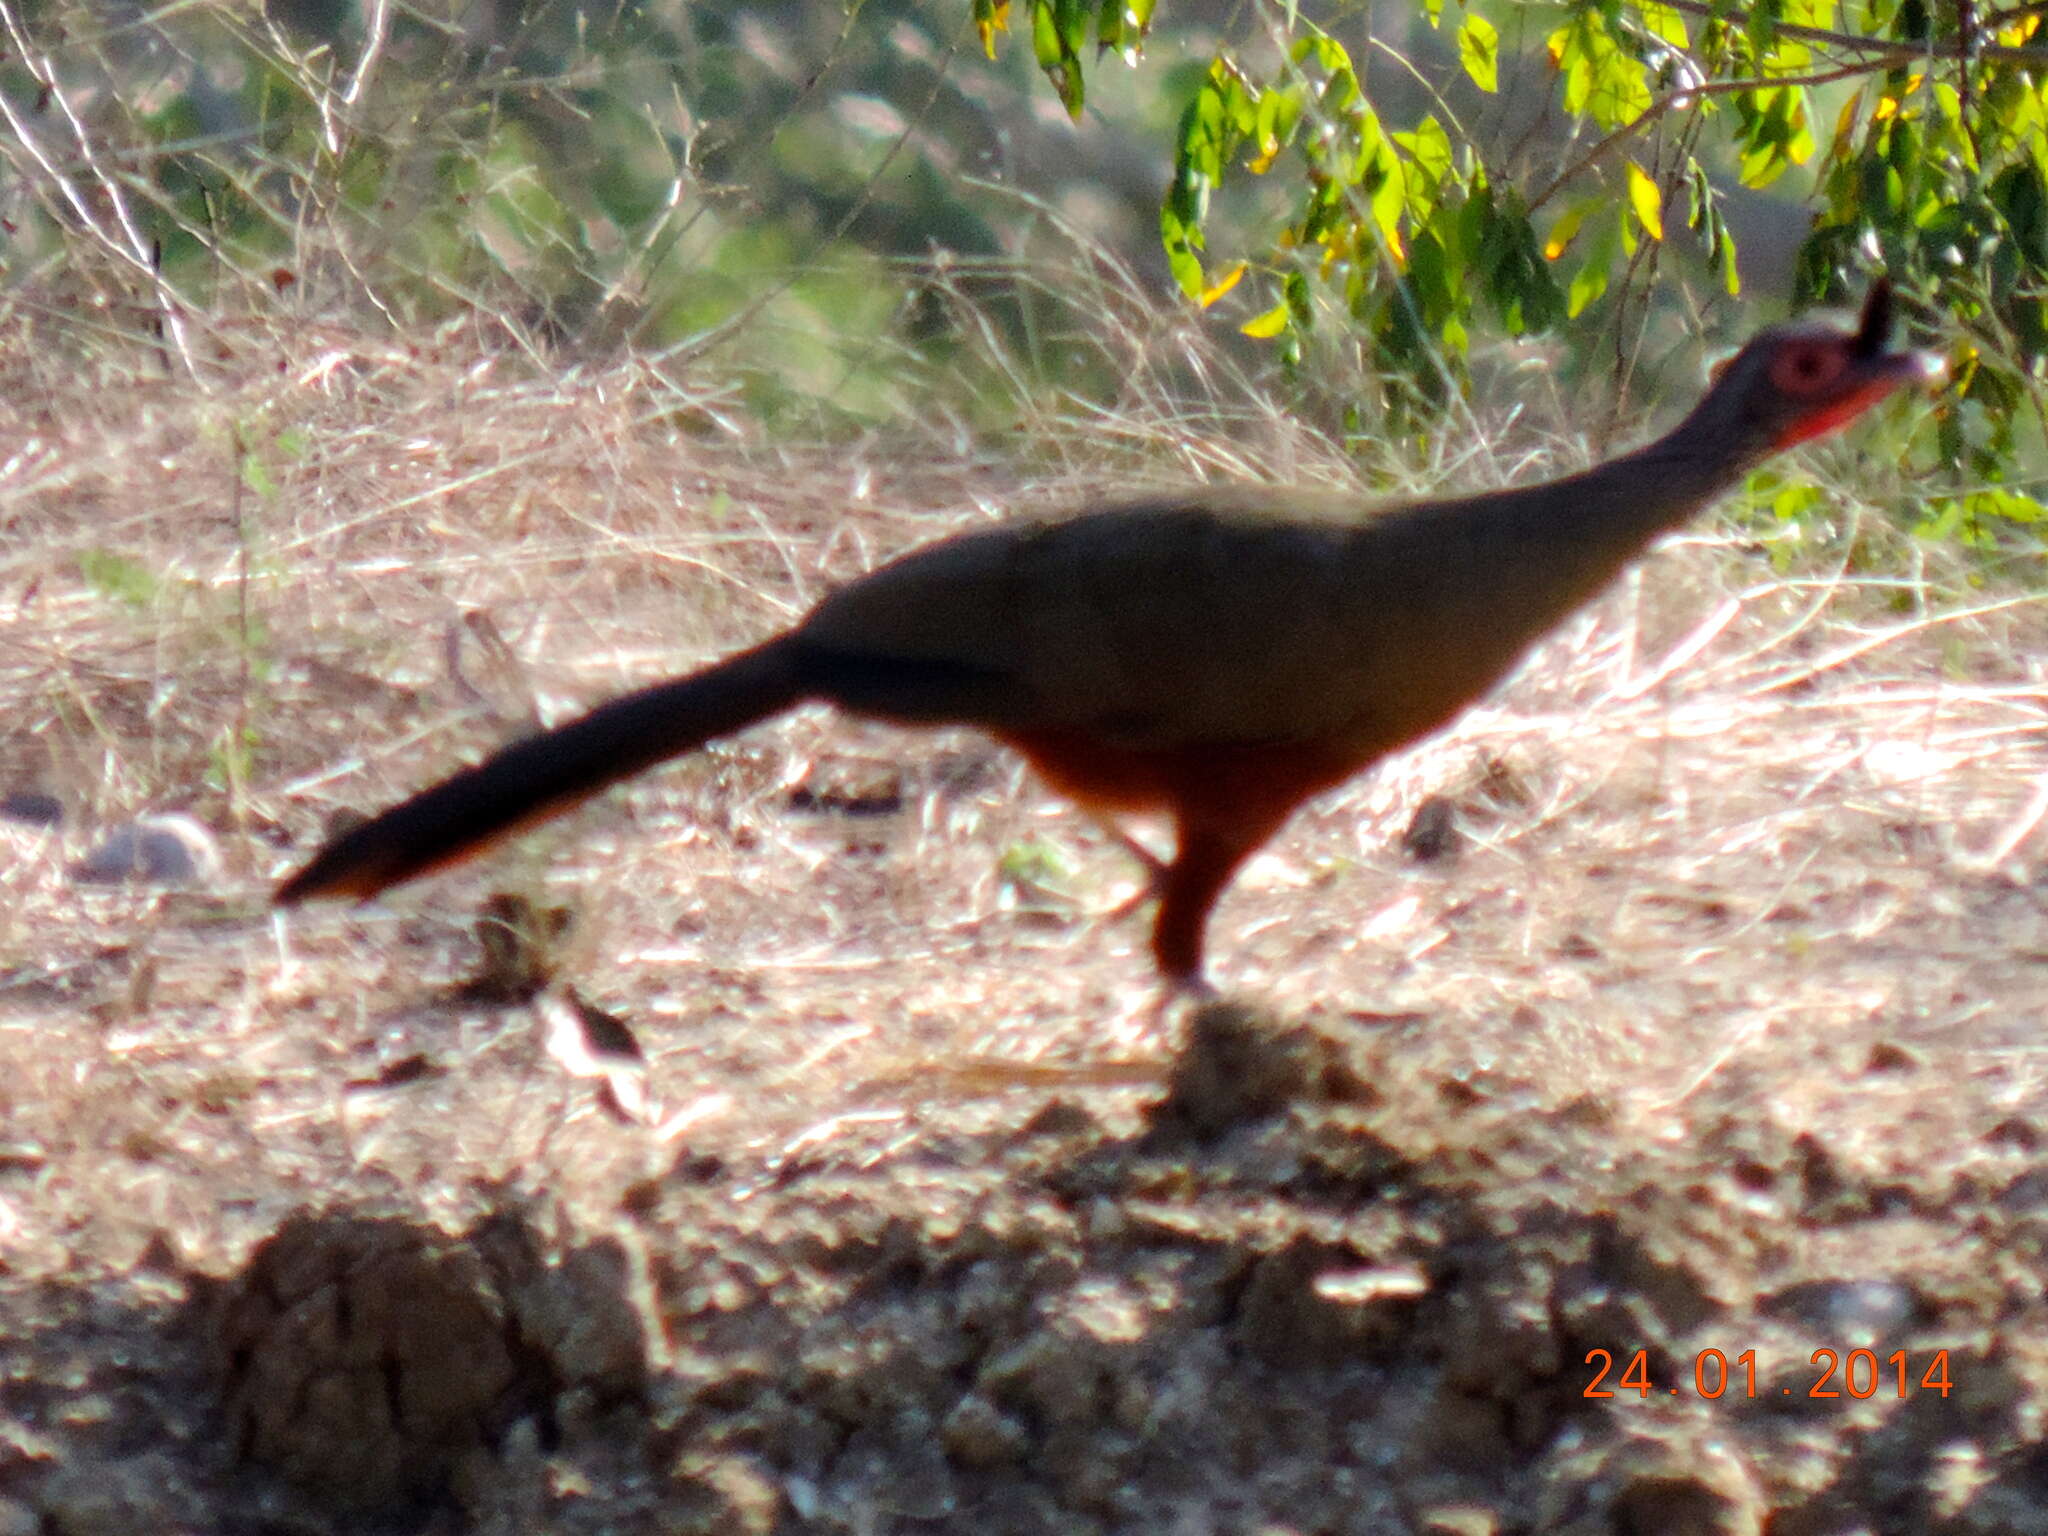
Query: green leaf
1566, 229
1274, 120
1793, 503
1058, 29
1181, 238
1428, 178
1377, 171
1121, 25
1479, 52
2009, 505
2020, 195
1663, 23
1588, 283
1604, 242
256, 476
1600, 79
1045, 34
1775, 133
118, 578
1731, 277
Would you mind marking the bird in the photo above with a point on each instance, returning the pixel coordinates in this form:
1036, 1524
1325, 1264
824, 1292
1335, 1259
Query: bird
1216, 655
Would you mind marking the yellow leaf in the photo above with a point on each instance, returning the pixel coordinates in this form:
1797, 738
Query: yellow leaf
1888, 105
998, 21
1566, 229
1845, 125
1271, 323
1663, 23
1646, 200
1221, 286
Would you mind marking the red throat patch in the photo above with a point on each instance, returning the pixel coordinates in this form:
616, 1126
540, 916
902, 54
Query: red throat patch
1841, 412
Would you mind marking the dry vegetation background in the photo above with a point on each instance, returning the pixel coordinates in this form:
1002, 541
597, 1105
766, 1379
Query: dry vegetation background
1717, 1029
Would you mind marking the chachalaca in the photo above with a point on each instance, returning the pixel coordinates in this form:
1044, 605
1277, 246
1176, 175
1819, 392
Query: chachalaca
1216, 655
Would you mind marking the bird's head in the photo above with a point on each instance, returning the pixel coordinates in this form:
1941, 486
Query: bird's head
1796, 381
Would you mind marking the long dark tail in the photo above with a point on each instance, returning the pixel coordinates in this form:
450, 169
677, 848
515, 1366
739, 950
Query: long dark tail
545, 775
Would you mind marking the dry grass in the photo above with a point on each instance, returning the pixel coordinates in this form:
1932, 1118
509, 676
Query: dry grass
1725, 804
1738, 830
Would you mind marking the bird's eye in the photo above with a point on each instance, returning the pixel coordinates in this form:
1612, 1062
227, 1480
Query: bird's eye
1801, 370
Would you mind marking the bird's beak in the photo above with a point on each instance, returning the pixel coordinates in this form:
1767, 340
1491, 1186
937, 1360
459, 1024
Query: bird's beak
1877, 376
1924, 368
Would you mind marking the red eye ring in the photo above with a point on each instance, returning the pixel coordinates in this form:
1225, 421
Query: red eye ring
1803, 368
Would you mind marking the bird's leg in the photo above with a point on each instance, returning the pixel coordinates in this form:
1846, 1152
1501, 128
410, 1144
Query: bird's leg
1202, 865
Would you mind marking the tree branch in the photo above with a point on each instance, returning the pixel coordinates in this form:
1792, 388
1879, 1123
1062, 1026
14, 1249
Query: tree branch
1885, 52
1682, 97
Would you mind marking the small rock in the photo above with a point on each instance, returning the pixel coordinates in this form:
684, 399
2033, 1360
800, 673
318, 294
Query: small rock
31, 806
2014, 1132
1662, 1481
157, 850
2028, 1192
1459, 1520
979, 1434
724, 1496
1054, 1377
1432, 832
1678, 1504
96, 1498
1060, 1118
1853, 1312
1308, 1304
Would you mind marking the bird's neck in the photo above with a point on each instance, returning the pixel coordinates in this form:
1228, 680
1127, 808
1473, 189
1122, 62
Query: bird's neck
1629, 501
1520, 560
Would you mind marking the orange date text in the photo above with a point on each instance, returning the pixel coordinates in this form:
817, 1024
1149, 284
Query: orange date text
1855, 1373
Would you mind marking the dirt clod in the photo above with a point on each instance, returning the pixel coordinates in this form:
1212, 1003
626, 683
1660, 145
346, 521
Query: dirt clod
979, 1434
369, 1358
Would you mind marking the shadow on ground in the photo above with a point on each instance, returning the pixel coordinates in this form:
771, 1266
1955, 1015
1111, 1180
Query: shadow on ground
1311, 1294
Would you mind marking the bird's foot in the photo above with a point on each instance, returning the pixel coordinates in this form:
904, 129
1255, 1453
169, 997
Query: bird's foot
1179, 994
1148, 889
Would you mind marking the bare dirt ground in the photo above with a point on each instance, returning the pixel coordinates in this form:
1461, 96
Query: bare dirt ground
1664, 1157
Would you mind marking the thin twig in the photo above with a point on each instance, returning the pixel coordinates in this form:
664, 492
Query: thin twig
1683, 97
1881, 51
129, 244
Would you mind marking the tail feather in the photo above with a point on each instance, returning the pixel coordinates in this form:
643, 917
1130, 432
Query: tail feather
545, 775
